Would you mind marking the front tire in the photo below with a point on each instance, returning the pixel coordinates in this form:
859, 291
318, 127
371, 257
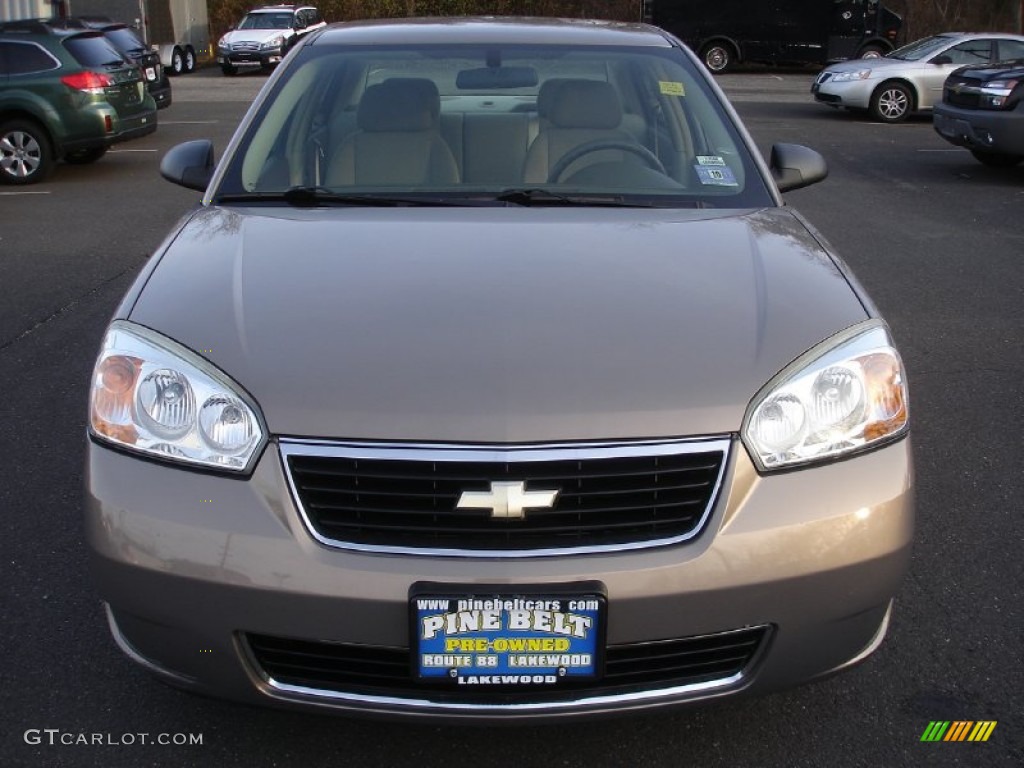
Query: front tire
891, 102
25, 155
85, 156
717, 57
994, 160
228, 70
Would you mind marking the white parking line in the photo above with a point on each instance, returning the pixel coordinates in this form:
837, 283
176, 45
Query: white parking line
11, 194
189, 122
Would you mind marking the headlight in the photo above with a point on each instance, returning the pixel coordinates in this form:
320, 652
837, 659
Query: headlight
845, 77
223, 43
994, 96
152, 395
274, 42
844, 395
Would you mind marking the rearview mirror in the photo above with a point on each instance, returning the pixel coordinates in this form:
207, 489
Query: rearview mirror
795, 166
190, 164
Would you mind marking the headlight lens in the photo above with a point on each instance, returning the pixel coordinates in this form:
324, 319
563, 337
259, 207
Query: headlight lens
152, 395
274, 42
844, 395
994, 96
845, 77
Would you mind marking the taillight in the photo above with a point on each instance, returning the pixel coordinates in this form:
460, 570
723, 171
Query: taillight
90, 82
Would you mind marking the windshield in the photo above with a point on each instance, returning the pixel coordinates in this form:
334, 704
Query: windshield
513, 125
266, 21
921, 49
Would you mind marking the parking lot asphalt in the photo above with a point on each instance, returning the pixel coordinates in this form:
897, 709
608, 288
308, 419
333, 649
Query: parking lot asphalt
935, 237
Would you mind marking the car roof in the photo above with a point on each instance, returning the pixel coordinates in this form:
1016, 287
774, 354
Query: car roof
997, 35
493, 30
36, 29
279, 8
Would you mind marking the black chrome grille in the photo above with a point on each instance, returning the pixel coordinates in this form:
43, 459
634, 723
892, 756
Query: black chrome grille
957, 97
603, 501
362, 670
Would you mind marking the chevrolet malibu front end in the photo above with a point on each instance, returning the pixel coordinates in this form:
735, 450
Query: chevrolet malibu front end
392, 425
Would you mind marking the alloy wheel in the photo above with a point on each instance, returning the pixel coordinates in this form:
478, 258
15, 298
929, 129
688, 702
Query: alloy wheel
21, 156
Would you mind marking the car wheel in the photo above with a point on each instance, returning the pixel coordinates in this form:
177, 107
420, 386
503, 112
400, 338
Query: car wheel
85, 156
995, 160
228, 70
872, 52
25, 156
177, 61
190, 60
891, 102
717, 57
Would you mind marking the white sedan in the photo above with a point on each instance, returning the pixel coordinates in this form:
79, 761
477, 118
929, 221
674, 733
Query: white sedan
910, 78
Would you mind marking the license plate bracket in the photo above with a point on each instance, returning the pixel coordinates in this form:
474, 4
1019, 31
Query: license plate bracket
509, 637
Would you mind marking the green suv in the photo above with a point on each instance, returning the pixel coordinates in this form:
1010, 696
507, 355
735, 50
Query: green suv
64, 94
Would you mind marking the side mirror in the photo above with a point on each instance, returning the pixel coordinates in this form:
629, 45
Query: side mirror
942, 60
189, 164
795, 166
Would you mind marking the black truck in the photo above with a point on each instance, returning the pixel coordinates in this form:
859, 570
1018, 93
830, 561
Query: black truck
726, 32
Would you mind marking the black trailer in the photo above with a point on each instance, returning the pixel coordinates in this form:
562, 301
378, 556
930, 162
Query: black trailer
726, 32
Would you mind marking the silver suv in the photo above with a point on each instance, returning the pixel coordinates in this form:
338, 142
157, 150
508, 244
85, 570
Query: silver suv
265, 35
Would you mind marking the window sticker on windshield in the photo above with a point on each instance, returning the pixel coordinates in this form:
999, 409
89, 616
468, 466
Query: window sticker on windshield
714, 160
716, 177
671, 88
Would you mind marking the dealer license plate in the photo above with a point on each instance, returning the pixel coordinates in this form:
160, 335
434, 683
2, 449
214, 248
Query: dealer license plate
489, 641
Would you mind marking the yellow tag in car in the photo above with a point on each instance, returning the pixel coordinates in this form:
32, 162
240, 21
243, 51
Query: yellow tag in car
142, 88
670, 88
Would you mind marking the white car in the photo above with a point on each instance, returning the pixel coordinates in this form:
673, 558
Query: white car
910, 78
265, 35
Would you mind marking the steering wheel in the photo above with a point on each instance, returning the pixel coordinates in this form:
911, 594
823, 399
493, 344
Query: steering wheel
600, 145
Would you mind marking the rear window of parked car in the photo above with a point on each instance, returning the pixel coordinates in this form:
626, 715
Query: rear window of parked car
92, 51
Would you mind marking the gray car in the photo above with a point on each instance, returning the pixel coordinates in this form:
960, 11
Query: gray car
492, 380
910, 78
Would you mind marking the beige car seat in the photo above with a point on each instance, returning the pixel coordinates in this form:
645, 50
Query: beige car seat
397, 141
575, 112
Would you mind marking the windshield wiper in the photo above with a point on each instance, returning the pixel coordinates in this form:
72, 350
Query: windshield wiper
304, 196
528, 196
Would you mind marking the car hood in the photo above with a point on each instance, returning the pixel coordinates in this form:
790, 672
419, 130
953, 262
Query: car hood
879, 67
497, 325
254, 35
1005, 70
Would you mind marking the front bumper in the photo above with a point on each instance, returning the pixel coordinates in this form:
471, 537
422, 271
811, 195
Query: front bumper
258, 58
193, 565
854, 94
999, 132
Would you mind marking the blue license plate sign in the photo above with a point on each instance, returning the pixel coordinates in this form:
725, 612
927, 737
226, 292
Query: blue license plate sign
500, 641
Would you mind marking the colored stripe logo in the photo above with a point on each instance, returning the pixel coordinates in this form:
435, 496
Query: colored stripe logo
959, 730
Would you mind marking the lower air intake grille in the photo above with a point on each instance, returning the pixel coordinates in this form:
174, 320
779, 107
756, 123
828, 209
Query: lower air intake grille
372, 671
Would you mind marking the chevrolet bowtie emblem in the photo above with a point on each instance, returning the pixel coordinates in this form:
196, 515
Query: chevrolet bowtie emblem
508, 500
